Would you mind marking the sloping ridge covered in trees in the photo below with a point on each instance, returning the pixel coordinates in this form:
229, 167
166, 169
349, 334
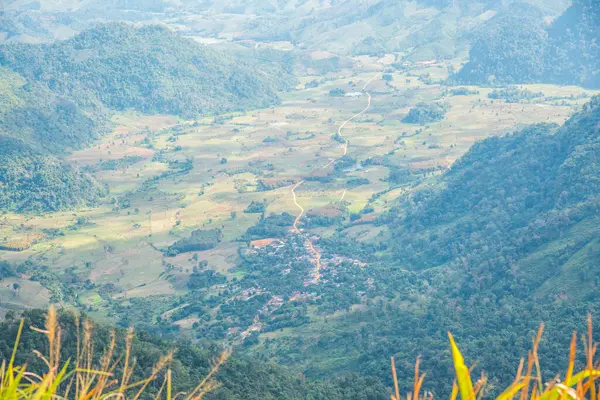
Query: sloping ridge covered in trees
58, 97
149, 69
507, 198
518, 47
506, 240
239, 378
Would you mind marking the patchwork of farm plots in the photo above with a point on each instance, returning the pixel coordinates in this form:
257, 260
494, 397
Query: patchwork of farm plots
169, 177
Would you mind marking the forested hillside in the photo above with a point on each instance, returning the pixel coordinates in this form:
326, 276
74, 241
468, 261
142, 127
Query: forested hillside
149, 69
58, 97
240, 377
519, 48
506, 199
506, 240
33, 181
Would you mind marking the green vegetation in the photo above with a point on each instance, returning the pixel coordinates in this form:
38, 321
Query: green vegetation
32, 181
514, 94
199, 240
36, 113
256, 207
528, 382
109, 363
271, 226
337, 92
149, 69
58, 97
424, 113
80, 357
114, 165
517, 48
460, 91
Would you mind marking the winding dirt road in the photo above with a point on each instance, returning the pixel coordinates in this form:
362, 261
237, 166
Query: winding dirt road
316, 275
295, 226
348, 120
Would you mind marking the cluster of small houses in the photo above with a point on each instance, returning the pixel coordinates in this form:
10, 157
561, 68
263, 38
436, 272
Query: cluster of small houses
274, 303
272, 246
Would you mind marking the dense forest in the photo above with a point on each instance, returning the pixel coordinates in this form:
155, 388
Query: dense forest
240, 377
32, 181
149, 69
517, 47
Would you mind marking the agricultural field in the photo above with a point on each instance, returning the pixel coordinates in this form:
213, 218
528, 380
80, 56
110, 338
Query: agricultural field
169, 177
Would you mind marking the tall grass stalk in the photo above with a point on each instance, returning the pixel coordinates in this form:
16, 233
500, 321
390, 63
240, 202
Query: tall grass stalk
86, 380
573, 386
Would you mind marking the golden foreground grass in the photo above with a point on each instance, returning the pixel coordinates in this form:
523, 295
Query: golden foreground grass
87, 381
529, 385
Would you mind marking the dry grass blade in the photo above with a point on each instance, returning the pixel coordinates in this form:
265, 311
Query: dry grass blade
89, 383
536, 344
454, 393
395, 376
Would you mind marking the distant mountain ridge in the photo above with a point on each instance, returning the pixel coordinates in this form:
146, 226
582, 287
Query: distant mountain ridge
150, 69
422, 30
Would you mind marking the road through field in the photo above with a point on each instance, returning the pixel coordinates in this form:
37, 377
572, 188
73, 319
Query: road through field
297, 205
357, 115
316, 274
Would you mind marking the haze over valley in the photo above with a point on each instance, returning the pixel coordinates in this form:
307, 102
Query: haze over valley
317, 185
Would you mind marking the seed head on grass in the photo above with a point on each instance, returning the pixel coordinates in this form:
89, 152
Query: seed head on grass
86, 381
528, 386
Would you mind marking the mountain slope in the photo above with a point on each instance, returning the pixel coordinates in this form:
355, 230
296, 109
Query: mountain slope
508, 198
58, 97
518, 48
150, 69
240, 377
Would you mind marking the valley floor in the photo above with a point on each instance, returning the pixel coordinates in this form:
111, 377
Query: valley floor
329, 162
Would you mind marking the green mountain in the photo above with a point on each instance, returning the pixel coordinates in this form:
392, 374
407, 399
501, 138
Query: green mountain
35, 126
58, 97
149, 69
519, 48
505, 240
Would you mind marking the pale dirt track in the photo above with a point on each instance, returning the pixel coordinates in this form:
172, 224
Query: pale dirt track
309, 245
295, 226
